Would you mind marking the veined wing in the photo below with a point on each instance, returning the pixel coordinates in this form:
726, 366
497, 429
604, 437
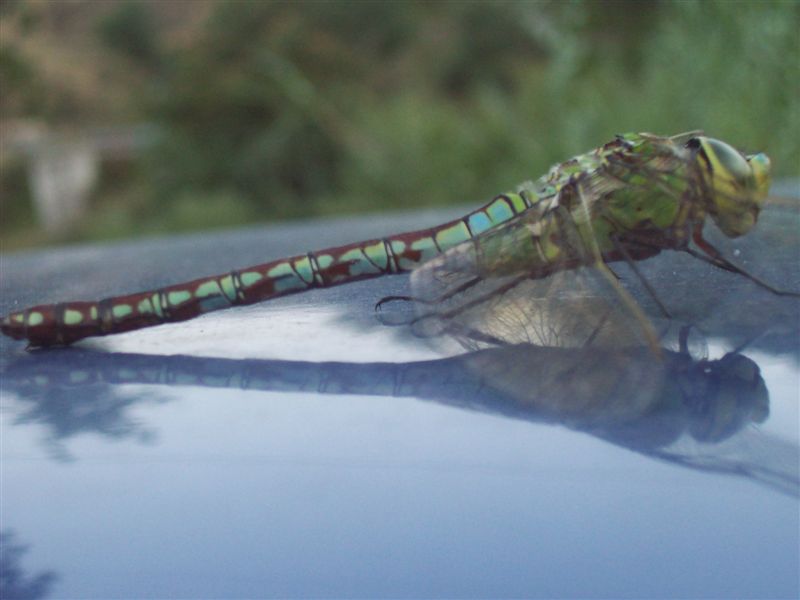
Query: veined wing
765, 459
542, 279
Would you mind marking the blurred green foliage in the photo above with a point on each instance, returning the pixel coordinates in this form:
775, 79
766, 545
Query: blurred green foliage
130, 30
270, 110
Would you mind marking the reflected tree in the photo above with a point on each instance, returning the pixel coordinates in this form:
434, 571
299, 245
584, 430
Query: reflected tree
97, 408
14, 583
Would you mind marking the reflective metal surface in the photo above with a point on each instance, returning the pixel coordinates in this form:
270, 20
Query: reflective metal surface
300, 448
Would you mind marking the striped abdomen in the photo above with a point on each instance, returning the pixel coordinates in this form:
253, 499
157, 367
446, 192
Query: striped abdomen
64, 323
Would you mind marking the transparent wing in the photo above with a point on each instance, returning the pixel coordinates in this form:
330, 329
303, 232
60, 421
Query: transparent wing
575, 303
574, 309
753, 454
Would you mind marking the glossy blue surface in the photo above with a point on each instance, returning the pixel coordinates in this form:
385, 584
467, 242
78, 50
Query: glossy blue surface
182, 489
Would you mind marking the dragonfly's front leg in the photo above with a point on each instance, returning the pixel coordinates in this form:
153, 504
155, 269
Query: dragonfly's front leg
714, 257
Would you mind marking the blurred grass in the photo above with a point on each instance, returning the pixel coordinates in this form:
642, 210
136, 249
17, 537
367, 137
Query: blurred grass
273, 110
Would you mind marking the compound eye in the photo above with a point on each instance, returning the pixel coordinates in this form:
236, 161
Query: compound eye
728, 158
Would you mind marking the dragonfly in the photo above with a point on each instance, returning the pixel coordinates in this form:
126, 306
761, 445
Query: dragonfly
628, 200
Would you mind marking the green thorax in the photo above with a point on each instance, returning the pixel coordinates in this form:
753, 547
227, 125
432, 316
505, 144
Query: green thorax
635, 184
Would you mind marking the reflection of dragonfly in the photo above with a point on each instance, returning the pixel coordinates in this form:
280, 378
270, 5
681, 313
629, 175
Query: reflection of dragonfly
625, 201
697, 413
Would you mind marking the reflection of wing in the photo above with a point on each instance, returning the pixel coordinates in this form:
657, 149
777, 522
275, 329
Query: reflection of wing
752, 454
705, 415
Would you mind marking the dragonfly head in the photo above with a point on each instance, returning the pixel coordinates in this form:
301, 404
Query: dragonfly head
729, 394
738, 184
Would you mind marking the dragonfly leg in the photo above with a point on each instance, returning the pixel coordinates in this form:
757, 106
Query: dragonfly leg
632, 264
394, 321
386, 299
714, 257
447, 296
629, 301
454, 312
444, 297
509, 285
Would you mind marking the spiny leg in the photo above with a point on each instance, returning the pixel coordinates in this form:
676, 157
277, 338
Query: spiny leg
444, 297
509, 285
386, 299
633, 306
715, 257
390, 320
619, 247
628, 300
727, 265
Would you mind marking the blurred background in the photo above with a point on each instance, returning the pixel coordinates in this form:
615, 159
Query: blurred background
135, 117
